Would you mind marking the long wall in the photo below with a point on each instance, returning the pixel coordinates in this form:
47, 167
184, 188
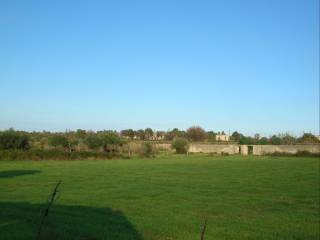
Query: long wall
267, 149
214, 148
244, 149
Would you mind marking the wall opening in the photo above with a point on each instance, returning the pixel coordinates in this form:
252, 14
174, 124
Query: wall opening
250, 150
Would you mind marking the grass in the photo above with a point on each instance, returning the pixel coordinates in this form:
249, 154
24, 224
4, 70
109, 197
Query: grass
167, 197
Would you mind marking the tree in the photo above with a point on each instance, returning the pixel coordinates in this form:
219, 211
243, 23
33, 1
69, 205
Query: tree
128, 133
308, 138
288, 139
141, 134
247, 140
263, 141
110, 141
58, 141
147, 150
81, 133
73, 144
175, 133
236, 136
148, 133
275, 140
14, 140
160, 135
196, 133
181, 145
93, 142
211, 136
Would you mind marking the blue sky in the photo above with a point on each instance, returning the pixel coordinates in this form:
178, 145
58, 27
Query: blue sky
251, 66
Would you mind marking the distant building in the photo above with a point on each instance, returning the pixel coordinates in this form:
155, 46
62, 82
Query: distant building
158, 136
222, 137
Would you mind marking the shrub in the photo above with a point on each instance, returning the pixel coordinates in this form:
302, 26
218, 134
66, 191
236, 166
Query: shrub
196, 134
81, 133
147, 150
110, 142
58, 141
181, 145
14, 140
93, 142
111, 139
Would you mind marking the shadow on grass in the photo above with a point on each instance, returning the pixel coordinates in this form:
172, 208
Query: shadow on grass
20, 221
16, 173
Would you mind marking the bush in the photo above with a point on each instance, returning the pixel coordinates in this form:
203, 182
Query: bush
58, 141
13, 140
196, 134
181, 145
108, 142
111, 139
147, 150
93, 142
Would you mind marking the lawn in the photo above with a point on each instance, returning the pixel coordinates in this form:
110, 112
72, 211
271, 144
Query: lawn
167, 197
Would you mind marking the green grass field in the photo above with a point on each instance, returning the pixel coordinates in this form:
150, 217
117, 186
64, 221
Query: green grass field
166, 198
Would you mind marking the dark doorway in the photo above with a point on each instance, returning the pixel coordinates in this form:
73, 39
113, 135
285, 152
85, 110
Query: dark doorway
250, 150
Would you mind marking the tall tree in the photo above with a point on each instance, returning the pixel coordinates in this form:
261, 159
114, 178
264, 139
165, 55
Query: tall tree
196, 133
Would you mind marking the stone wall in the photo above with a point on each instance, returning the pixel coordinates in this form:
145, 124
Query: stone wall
243, 149
163, 146
214, 148
267, 149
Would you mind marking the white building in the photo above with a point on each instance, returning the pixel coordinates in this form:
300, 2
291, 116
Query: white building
222, 137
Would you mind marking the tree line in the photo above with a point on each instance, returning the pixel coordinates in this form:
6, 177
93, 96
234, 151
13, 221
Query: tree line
198, 134
109, 141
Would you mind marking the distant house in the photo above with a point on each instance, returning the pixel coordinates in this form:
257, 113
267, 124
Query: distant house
158, 136
222, 137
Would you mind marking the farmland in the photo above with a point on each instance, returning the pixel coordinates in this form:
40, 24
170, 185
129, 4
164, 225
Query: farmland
167, 197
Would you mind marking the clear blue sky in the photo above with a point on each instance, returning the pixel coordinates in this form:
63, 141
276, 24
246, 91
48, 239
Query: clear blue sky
251, 66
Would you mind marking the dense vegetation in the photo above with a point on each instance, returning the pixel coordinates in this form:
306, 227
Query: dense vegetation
166, 198
13, 140
108, 144
181, 145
